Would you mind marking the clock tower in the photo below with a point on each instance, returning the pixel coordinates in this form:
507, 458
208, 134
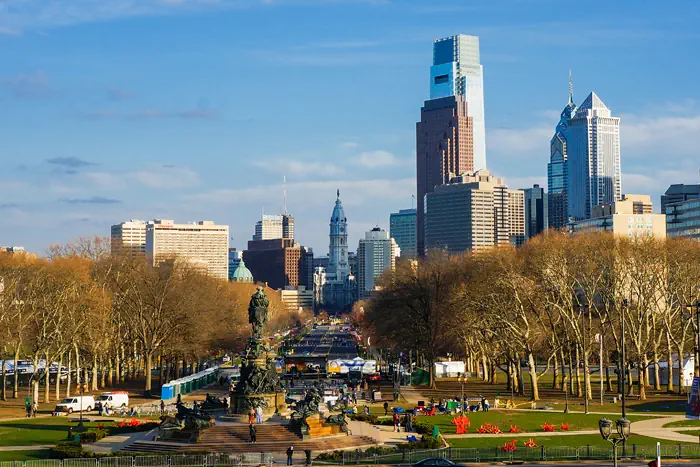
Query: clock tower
338, 249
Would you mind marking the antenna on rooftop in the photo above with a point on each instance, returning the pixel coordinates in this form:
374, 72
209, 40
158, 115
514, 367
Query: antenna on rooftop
284, 191
571, 88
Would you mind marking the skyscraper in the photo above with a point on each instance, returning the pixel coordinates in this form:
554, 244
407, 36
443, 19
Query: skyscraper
557, 167
536, 211
272, 226
338, 247
444, 148
678, 193
402, 228
593, 165
376, 253
280, 262
457, 71
474, 211
129, 238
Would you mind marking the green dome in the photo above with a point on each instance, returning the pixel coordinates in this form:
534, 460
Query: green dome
242, 273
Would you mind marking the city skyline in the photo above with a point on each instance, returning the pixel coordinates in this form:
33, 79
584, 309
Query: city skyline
93, 136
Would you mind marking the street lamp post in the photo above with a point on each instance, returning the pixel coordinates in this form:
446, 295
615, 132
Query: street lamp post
623, 372
623, 431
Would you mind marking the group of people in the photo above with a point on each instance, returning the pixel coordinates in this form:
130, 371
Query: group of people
406, 421
254, 416
31, 408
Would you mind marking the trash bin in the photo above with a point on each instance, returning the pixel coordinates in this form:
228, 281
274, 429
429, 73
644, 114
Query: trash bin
376, 396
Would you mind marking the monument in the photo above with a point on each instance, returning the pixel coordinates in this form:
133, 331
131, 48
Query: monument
259, 386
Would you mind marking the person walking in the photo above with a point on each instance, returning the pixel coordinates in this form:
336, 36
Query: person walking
395, 418
386, 408
290, 453
409, 421
162, 407
258, 415
253, 433
28, 409
307, 452
251, 416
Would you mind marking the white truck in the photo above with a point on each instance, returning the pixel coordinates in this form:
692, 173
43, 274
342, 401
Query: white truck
75, 404
112, 400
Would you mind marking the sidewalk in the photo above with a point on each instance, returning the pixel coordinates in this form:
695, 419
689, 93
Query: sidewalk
35, 447
117, 442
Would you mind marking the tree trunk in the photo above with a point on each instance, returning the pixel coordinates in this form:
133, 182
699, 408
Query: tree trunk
94, 373
680, 367
149, 364
494, 372
486, 375
642, 382
519, 372
555, 372
4, 384
563, 371
161, 374
646, 371
608, 381
117, 367
669, 364
587, 376
68, 380
47, 377
58, 377
110, 372
86, 378
571, 373
15, 387
78, 378
579, 386
533, 377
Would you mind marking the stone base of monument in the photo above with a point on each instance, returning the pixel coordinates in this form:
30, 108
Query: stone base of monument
318, 428
274, 404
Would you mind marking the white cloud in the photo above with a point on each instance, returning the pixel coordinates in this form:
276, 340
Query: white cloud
377, 158
168, 177
299, 168
665, 136
520, 142
349, 145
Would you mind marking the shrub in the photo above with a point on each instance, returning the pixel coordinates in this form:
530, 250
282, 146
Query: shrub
425, 443
361, 417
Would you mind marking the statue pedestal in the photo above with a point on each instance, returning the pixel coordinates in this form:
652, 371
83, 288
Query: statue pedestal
318, 428
274, 403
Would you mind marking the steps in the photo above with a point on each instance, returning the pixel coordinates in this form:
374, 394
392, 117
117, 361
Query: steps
270, 438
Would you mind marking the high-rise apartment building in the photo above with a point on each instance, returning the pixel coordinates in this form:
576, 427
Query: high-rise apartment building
444, 148
457, 71
273, 226
129, 238
376, 254
593, 165
473, 212
630, 217
402, 228
557, 172
203, 245
536, 211
679, 193
296, 298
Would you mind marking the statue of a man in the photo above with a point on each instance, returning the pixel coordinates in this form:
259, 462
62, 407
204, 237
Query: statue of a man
257, 311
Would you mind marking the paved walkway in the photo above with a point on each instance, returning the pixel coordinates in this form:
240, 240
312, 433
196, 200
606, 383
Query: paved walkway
35, 447
117, 442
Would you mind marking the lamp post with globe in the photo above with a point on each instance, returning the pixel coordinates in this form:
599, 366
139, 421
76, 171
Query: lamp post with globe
623, 427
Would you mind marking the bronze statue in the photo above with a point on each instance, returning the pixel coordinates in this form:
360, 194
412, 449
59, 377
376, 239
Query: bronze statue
257, 311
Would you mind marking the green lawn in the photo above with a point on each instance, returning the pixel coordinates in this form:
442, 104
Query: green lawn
682, 423
691, 432
525, 421
6, 456
549, 441
38, 431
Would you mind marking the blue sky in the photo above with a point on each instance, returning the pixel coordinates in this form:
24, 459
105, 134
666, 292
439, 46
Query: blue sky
194, 109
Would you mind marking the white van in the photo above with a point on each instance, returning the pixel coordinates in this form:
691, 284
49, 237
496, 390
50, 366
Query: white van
76, 404
112, 400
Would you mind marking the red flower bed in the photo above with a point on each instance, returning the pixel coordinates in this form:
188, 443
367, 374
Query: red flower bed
530, 443
509, 446
547, 427
514, 429
565, 426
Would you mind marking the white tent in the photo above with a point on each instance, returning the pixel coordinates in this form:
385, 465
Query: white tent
688, 371
449, 369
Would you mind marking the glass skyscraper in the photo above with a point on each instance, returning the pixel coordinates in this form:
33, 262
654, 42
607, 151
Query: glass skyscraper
402, 228
557, 167
457, 71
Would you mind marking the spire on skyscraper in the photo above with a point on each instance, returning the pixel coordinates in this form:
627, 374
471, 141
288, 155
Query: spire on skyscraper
338, 193
284, 193
571, 89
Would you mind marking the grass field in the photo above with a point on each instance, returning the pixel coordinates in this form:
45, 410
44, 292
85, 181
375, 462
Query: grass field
6, 456
549, 441
36, 431
691, 432
683, 423
525, 421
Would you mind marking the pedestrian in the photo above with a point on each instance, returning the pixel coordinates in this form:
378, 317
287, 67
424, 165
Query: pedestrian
28, 409
179, 399
395, 418
258, 414
251, 416
386, 408
308, 456
409, 421
366, 410
162, 407
483, 404
253, 433
290, 453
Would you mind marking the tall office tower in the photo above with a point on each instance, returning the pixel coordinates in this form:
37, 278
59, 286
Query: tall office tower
376, 254
402, 228
678, 193
269, 227
536, 211
203, 245
129, 238
457, 71
516, 217
557, 167
593, 165
287, 226
279, 262
473, 212
234, 260
444, 148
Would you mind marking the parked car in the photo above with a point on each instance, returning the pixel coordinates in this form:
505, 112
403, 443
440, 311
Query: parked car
374, 377
76, 404
437, 462
112, 400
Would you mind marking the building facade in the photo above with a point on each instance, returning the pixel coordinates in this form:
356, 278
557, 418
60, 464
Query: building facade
296, 298
536, 211
273, 226
402, 228
630, 217
129, 238
203, 245
678, 193
234, 259
457, 71
683, 219
444, 148
473, 212
557, 172
593, 165
376, 254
